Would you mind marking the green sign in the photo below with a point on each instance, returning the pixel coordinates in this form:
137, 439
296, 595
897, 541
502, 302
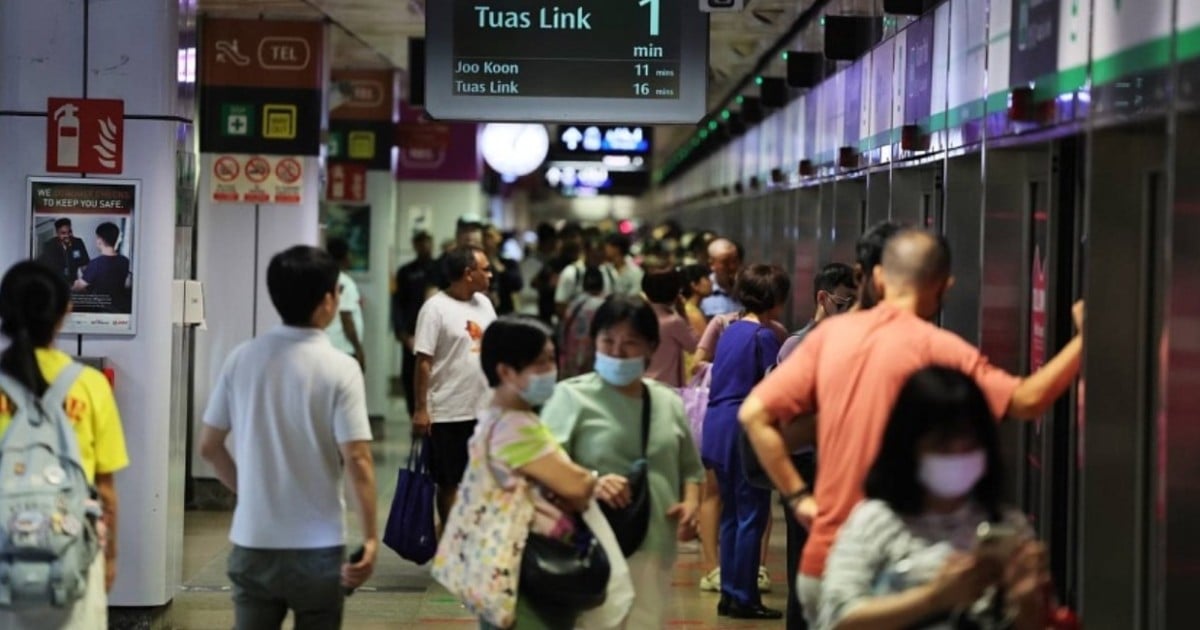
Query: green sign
237, 119
335, 144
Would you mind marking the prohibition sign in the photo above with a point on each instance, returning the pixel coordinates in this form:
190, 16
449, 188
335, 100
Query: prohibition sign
288, 171
258, 169
226, 168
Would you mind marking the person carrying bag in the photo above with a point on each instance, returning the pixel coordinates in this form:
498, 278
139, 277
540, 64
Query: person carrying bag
410, 529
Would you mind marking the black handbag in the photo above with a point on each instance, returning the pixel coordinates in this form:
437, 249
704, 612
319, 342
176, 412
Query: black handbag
564, 577
629, 524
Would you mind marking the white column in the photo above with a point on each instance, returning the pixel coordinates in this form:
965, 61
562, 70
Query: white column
42, 54
375, 287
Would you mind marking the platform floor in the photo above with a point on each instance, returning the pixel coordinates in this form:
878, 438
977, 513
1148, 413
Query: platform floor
401, 595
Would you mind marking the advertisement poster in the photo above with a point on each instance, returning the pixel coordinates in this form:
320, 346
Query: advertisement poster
351, 223
255, 179
85, 229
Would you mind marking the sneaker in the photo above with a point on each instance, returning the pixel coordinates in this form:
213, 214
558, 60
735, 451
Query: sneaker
764, 580
711, 582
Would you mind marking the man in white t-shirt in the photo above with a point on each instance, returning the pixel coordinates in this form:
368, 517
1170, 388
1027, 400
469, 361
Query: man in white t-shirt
450, 385
295, 410
345, 331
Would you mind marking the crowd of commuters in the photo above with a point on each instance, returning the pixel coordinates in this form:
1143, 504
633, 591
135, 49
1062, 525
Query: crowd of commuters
564, 371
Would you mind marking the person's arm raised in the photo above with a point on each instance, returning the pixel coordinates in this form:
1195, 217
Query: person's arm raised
1039, 390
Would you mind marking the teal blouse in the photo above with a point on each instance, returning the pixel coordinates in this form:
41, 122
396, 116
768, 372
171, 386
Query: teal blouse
601, 429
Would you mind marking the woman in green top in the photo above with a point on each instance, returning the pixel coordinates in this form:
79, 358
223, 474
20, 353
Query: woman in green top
597, 417
518, 359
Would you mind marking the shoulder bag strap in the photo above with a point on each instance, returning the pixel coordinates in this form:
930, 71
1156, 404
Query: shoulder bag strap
55, 400
645, 417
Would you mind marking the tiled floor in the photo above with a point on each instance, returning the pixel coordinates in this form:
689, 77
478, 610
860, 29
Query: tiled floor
402, 595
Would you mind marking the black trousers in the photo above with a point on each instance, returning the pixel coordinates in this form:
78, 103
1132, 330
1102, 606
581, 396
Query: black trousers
796, 537
408, 375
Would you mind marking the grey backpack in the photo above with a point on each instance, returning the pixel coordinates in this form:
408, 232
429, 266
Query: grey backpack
47, 533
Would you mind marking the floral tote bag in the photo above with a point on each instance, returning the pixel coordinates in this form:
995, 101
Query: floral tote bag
479, 557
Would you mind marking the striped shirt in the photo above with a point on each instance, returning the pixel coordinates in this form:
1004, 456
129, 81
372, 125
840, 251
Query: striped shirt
879, 552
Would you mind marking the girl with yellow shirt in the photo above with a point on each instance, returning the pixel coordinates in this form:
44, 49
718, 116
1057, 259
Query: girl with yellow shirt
34, 302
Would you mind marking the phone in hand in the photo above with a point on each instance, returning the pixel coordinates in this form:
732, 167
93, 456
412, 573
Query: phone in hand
997, 542
355, 558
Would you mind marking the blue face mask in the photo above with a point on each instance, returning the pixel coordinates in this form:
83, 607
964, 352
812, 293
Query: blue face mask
540, 388
619, 372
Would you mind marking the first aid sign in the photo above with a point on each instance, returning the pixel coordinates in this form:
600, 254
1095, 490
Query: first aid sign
85, 136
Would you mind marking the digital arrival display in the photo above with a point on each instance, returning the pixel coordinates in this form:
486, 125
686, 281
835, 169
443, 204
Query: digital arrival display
632, 61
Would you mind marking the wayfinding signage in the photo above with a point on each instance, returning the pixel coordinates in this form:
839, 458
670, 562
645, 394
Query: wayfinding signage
614, 61
260, 86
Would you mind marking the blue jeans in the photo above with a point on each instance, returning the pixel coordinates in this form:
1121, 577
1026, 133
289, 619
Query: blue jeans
745, 510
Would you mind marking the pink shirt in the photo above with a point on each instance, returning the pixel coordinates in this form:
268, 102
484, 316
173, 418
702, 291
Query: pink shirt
675, 337
849, 370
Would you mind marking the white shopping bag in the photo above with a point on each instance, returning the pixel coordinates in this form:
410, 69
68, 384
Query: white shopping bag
619, 595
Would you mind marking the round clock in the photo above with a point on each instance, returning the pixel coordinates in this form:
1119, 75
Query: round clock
514, 150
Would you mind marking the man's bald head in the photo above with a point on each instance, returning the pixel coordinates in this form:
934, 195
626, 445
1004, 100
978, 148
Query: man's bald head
725, 260
916, 258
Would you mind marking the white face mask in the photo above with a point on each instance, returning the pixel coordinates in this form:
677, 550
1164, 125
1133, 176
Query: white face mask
540, 388
952, 476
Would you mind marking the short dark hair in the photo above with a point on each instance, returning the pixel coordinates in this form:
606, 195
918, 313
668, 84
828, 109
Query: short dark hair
62, 223
298, 280
662, 287
691, 275
546, 233
514, 340
618, 309
946, 404
458, 261
832, 276
337, 247
109, 233
593, 279
868, 250
621, 242
761, 288
422, 236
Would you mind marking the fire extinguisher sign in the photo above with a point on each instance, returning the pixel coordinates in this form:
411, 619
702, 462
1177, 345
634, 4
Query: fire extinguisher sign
85, 136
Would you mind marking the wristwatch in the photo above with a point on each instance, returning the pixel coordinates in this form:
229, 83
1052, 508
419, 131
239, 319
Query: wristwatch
796, 497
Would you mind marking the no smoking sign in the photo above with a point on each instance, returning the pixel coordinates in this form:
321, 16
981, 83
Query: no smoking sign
288, 171
226, 169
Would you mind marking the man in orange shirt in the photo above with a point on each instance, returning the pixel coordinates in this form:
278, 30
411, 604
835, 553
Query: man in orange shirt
849, 371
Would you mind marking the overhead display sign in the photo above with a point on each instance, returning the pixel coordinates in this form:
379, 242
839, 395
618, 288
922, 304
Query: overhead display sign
576, 141
641, 61
260, 86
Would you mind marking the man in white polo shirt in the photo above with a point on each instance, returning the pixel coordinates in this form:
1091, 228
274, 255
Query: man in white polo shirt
450, 385
296, 410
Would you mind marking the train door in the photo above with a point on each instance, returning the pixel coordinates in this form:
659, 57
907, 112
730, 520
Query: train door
917, 197
849, 214
1120, 560
879, 195
804, 231
962, 223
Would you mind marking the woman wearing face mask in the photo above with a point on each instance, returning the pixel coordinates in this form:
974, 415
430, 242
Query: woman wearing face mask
908, 556
517, 357
598, 418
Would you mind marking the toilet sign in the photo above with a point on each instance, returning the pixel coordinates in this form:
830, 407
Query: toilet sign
85, 135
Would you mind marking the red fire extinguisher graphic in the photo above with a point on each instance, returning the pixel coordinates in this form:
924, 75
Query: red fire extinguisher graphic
68, 136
